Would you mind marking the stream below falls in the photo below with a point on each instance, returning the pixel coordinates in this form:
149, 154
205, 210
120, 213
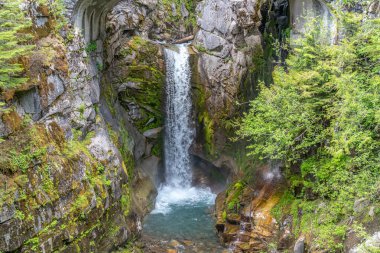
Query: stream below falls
182, 218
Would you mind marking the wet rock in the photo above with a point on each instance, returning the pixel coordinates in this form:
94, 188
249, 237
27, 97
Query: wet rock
3, 129
219, 208
233, 218
187, 242
243, 246
229, 232
175, 244
214, 44
286, 237
129, 85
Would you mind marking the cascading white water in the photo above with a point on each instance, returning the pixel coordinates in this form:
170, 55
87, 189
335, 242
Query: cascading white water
181, 211
178, 130
179, 135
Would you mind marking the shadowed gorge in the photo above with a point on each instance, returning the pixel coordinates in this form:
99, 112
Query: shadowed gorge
173, 126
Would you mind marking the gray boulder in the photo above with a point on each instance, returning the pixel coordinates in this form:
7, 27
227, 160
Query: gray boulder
299, 247
153, 133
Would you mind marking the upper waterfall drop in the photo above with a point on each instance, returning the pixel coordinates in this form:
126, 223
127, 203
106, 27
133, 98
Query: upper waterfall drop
178, 130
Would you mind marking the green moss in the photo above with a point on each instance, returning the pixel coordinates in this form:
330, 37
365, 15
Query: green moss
125, 200
127, 151
233, 196
80, 204
91, 47
176, 18
110, 95
21, 180
75, 147
49, 227
33, 243
205, 121
224, 215
145, 72
208, 132
20, 161
14, 44
19, 215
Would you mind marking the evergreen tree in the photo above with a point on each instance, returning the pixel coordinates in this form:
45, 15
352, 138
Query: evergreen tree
321, 117
13, 42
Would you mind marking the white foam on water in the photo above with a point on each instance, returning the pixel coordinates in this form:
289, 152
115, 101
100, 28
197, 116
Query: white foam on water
169, 196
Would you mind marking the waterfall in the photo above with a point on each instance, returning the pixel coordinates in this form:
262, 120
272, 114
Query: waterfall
179, 135
178, 131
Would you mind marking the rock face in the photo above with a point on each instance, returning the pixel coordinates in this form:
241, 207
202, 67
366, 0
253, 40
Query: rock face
302, 11
227, 39
65, 170
154, 19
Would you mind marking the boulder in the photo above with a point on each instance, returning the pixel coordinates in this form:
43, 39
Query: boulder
361, 204
374, 9
152, 168
299, 247
144, 194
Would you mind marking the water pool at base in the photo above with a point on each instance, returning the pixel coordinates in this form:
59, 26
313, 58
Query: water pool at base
184, 222
184, 215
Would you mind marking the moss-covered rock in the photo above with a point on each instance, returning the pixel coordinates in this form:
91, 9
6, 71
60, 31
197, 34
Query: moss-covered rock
55, 193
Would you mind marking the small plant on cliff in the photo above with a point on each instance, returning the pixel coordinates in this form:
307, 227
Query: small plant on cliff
13, 43
91, 47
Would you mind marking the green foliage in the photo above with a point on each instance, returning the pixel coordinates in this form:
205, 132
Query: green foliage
125, 200
13, 43
321, 114
175, 17
19, 215
233, 196
146, 74
91, 47
21, 161
33, 243
57, 10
